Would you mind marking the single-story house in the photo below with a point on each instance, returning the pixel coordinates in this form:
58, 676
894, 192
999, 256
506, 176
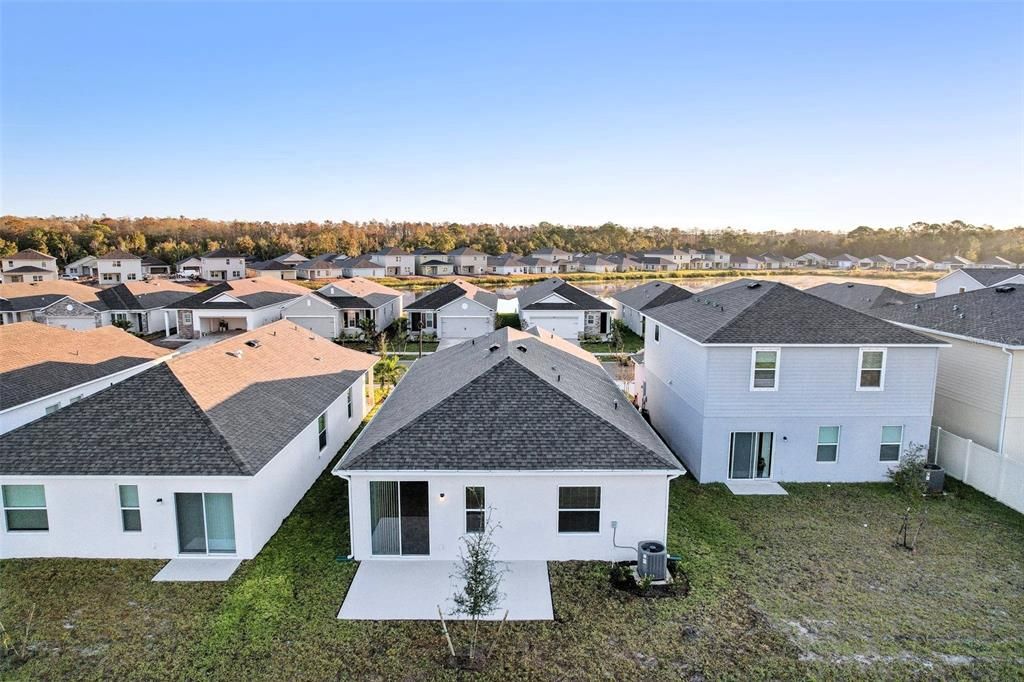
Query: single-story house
630, 304
506, 264
292, 258
193, 265
658, 264
83, 267
204, 455
26, 266
360, 266
775, 261
594, 262
151, 265
843, 261
150, 306
866, 298
458, 310
755, 380
747, 263
43, 368
538, 266
53, 302
318, 268
979, 390
969, 279
811, 260
465, 441
878, 262
339, 307
625, 262
236, 305
996, 263
273, 269
564, 310
952, 263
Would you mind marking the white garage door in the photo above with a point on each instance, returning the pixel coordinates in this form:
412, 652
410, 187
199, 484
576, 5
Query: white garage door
565, 327
324, 326
72, 322
464, 327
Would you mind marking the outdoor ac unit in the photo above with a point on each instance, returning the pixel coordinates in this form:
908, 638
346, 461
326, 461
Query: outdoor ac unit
652, 560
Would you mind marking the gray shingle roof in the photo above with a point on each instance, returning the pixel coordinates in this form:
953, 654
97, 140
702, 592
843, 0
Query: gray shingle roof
989, 276
530, 297
24, 270
24, 303
119, 297
992, 314
862, 297
223, 252
453, 291
753, 312
548, 407
259, 299
30, 254
651, 295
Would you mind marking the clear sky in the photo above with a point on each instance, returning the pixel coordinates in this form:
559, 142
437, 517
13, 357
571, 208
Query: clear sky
815, 115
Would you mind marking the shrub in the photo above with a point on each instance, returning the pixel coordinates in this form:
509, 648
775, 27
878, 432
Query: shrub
908, 474
507, 320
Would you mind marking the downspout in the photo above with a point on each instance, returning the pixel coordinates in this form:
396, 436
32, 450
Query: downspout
348, 479
1006, 400
668, 490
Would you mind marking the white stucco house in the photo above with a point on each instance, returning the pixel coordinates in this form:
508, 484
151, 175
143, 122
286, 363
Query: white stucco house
83, 267
396, 262
760, 381
221, 265
338, 308
43, 368
564, 310
971, 279
236, 305
27, 265
221, 444
464, 441
631, 303
118, 266
458, 310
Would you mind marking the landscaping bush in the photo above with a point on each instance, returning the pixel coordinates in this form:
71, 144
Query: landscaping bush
908, 474
507, 320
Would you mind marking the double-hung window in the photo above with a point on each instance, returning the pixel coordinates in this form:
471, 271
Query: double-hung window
579, 509
348, 400
892, 443
131, 515
657, 332
828, 443
25, 507
871, 369
321, 428
764, 369
475, 509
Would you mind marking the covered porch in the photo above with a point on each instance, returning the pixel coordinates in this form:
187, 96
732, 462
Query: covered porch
403, 589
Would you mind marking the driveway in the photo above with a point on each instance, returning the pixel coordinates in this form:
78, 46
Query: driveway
448, 343
402, 589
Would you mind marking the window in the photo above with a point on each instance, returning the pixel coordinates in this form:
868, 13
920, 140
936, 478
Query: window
579, 509
321, 427
131, 515
475, 509
236, 273
764, 374
118, 317
657, 332
116, 264
50, 409
25, 507
892, 443
428, 320
186, 317
348, 400
37, 278
131, 275
871, 370
828, 443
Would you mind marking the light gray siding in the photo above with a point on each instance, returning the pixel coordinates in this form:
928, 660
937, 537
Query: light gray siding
1014, 444
969, 391
632, 318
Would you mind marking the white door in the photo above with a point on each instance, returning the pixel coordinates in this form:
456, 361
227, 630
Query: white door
324, 326
566, 327
463, 327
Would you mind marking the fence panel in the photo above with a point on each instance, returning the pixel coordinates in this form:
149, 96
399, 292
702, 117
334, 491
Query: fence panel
994, 474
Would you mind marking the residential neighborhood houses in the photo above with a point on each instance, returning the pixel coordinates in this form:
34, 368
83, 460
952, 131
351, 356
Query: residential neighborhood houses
342, 308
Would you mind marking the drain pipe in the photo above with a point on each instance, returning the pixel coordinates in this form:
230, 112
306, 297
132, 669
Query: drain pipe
348, 557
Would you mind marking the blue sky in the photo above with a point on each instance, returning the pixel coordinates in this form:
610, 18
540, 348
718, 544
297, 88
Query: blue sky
812, 115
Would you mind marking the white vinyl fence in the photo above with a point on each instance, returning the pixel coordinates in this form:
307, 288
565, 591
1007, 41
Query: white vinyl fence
996, 475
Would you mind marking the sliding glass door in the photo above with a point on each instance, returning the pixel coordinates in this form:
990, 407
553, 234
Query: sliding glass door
206, 523
399, 518
750, 454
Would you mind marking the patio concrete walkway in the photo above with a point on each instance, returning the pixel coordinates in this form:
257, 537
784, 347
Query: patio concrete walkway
755, 488
197, 570
412, 590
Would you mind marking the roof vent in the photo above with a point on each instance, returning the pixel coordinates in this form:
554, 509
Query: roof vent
253, 343
754, 285
849, 285
1005, 289
961, 316
956, 307
521, 348
917, 306
235, 353
493, 347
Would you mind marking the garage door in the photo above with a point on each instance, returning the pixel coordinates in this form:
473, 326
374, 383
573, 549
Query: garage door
565, 327
72, 322
324, 326
464, 327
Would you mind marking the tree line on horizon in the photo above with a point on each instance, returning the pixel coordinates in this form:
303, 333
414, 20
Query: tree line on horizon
172, 239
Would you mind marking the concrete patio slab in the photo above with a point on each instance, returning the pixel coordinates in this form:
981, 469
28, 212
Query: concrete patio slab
755, 488
197, 570
412, 590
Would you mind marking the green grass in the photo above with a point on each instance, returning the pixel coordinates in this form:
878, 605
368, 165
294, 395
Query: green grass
631, 343
804, 586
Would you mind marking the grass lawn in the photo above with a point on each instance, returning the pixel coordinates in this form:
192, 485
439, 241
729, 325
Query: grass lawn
807, 585
393, 346
631, 343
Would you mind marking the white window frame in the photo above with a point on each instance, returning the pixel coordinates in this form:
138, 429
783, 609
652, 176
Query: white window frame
473, 510
753, 367
860, 368
559, 509
839, 438
428, 320
186, 317
348, 400
882, 443
124, 508
131, 275
321, 433
657, 333
3, 503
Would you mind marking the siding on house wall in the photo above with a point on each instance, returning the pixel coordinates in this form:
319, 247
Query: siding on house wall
527, 509
1014, 440
80, 316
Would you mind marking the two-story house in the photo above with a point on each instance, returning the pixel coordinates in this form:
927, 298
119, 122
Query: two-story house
468, 261
432, 263
563, 260
118, 266
970, 279
757, 380
681, 257
222, 265
396, 262
718, 260
28, 265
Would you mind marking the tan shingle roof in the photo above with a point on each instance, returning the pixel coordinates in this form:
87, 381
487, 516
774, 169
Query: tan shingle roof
158, 285
362, 287
30, 343
79, 292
